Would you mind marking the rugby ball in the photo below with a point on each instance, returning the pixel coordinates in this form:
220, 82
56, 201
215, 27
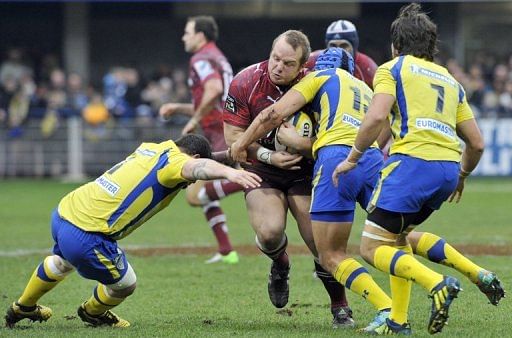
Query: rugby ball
303, 125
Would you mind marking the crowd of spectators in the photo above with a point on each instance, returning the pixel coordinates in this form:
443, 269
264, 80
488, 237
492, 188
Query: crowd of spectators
488, 85
50, 94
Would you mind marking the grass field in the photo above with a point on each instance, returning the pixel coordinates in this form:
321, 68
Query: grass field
178, 295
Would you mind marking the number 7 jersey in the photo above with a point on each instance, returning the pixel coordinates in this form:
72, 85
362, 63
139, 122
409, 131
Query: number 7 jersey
128, 194
429, 103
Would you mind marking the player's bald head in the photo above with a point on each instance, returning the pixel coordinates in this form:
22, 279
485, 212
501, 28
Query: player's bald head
296, 39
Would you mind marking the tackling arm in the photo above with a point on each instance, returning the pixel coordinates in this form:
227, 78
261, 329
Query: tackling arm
268, 119
206, 169
233, 133
279, 159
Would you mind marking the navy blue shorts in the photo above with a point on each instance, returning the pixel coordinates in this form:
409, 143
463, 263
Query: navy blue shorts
407, 184
355, 186
94, 255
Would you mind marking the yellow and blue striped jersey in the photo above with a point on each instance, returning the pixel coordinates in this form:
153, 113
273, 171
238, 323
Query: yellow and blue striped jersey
128, 194
429, 104
339, 102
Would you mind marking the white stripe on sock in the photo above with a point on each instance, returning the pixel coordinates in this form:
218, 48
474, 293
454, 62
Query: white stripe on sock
211, 205
216, 220
217, 185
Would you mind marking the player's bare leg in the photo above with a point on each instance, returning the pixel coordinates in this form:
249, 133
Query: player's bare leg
267, 213
341, 312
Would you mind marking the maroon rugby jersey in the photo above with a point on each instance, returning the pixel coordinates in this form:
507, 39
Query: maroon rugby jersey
207, 63
365, 66
250, 92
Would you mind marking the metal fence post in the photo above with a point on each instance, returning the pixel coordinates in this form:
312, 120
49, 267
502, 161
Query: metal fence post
75, 150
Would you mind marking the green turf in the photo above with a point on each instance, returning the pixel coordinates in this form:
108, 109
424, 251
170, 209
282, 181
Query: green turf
180, 296
482, 217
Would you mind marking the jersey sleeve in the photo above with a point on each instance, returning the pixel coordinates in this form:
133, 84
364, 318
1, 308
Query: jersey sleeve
236, 109
464, 111
383, 82
205, 70
309, 86
170, 175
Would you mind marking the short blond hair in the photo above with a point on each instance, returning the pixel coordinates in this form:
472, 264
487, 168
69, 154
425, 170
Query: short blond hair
296, 39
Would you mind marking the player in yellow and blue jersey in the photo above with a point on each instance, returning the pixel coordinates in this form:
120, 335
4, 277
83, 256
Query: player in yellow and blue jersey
339, 102
337, 130
89, 220
427, 110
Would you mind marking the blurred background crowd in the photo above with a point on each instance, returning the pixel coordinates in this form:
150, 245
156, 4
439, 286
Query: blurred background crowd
43, 90
112, 65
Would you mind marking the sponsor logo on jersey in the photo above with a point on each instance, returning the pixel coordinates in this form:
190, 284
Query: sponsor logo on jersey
356, 123
108, 186
203, 68
415, 69
229, 105
437, 126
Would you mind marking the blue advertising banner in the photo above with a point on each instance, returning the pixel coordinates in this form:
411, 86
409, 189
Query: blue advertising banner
497, 157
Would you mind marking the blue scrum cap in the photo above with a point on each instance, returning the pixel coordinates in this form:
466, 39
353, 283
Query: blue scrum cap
335, 57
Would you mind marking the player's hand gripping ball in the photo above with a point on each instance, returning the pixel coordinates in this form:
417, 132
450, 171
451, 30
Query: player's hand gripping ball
303, 125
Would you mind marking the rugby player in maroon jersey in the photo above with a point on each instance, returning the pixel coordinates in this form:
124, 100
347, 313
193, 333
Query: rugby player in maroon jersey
286, 177
209, 76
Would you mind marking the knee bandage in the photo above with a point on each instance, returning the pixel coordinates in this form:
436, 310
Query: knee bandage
58, 266
129, 279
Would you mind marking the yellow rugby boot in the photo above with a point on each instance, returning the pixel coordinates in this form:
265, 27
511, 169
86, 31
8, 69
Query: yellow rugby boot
442, 296
108, 318
16, 312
